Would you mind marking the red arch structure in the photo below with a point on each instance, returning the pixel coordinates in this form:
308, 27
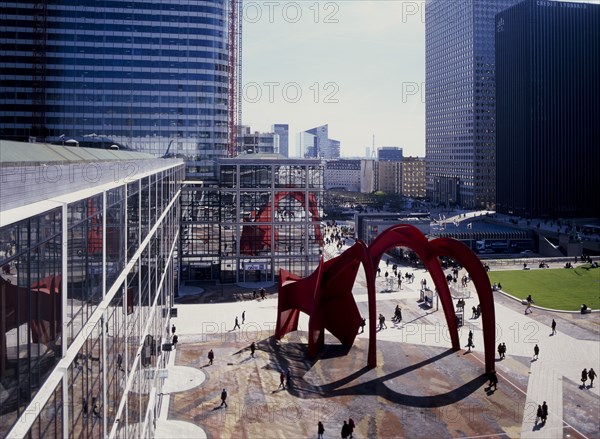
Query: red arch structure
257, 237
326, 295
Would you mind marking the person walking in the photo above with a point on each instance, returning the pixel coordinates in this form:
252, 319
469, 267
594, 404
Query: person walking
500, 351
591, 376
363, 323
553, 327
470, 341
252, 349
503, 350
175, 340
351, 426
382, 324
320, 430
211, 357
173, 329
281, 380
536, 352
539, 415
584, 377
243, 316
544, 412
236, 325
223, 398
345, 430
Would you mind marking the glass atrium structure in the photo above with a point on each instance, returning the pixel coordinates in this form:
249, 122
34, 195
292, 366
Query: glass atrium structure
87, 281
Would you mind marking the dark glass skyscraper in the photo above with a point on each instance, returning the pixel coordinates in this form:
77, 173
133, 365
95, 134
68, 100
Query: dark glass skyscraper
548, 109
460, 101
147, 75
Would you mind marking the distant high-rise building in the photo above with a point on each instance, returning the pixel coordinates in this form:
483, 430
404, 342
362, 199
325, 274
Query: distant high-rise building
283, 130
388, 176
149, 76
342, 174
389, 154
256, 142
460, 100
413, 177
548, 109
317, 144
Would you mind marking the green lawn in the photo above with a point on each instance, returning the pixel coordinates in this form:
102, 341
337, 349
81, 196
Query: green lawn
560, 288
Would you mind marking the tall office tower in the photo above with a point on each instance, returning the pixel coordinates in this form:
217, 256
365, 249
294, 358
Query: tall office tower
548, 108
389, 154
317, 144
460, 101
146, 75
283, 130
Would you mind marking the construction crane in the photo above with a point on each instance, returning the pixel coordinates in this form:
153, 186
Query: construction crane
38, 72
235, 76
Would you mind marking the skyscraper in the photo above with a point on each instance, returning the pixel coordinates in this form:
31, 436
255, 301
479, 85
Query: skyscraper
548, 108
283, 130
317, 144
150, 76
460, 101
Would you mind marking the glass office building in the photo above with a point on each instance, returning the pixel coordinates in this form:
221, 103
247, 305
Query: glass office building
266, 214
548, 107
460, 127
145, 75
88, 242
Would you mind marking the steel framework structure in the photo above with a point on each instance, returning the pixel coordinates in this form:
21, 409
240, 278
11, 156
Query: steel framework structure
235, 75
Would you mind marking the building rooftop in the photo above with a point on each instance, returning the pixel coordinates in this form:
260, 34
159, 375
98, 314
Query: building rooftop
19, 153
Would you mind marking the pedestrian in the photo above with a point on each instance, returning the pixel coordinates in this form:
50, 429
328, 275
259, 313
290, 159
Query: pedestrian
236, 325
173, 329
252, 349
211, 357
288, 380
493, 380
120, 362
345, 430
223, 398
253, 294
591, 376
474, 311
544, 412
175, 340
243, 316
351, 426
382, 324
320, 430
363, 323
400, 282
553, 326
263, 295
539, 415
584, 377
281, 380
536, 352
500, 351
503, 350
470, 341
478, 311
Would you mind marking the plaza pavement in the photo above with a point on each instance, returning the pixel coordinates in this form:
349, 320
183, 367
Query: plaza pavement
554, 377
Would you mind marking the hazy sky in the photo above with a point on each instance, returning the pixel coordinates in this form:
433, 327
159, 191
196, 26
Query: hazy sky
345, 63
357, 65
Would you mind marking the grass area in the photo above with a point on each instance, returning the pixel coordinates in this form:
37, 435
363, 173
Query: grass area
560, 288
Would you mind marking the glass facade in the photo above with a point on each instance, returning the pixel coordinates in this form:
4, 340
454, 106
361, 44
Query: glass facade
88, 285
460, 120
146, 75
548, 98
265, 215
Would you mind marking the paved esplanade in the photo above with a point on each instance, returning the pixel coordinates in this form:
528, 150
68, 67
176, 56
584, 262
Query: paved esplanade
421, 338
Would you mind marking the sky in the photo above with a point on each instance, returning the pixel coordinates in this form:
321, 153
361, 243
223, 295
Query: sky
356, 65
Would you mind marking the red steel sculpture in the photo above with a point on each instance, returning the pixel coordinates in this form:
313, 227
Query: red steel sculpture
326, 295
